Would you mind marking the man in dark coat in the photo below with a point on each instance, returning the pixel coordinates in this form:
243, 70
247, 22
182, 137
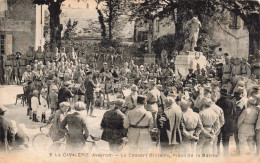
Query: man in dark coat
228, 128
64, 94
89, 94
112, 123
77, 131
7, 132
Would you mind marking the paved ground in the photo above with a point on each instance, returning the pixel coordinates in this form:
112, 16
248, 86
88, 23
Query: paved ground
18, 114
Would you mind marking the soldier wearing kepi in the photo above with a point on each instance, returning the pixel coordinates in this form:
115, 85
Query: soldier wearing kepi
210, 122
191, 127
246, 126
8, 68
22, 66
30, 55
138, 122
48, 55
39, 55
56, 56
228, 128
152, 100
15, 64
131, 100
226, 69
112, 123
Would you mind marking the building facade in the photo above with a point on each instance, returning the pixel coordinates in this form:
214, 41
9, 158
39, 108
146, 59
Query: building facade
21, 26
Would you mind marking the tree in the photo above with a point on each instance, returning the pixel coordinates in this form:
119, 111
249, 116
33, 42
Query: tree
101, 21
54, 7
109, 13
70, 32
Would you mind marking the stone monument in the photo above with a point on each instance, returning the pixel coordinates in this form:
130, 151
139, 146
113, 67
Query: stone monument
189, 58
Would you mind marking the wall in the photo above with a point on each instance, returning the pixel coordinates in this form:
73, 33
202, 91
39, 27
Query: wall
20, 22
235, 42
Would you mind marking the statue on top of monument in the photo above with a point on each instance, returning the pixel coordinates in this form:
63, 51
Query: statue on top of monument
192, 26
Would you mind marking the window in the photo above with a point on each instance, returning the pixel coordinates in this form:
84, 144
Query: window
234, 21
87, 6
2, 47
220, 49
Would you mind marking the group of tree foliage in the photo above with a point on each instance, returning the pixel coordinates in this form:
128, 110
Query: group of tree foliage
181, 11
205, 10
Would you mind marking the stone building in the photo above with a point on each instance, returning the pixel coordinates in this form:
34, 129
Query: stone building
233, 37
21, 26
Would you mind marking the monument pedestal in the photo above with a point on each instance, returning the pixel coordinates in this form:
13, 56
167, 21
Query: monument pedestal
149, 58
187, 60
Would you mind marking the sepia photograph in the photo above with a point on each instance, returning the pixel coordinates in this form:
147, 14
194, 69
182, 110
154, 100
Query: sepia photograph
130, 81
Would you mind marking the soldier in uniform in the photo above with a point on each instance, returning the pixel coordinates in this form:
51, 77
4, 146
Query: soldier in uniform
48, 55
191, 127
152, 100
73, 56
30, 55
22, 66
15, 73
226, 70
164, 58
96, 52
215, 94
39, 55
63, 55
245, 69
56, 56
227, 85
210, 122
131, 100
103, 52
246, 126
2, 70
138, 122
166, 72
38, 82
8, 68
236, 70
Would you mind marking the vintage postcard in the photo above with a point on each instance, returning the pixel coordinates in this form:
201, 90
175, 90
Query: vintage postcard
129, 81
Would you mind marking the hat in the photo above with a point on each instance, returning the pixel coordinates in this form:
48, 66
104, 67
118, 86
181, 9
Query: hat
160, 87
169, 101
206, 101
238, 93
134, 88
152, 82
67, 83
241, 83
79, 106
256, 87
141, 99
28, 66
119, 102
3, 109
190, 69
252, 100
104, 63
214, 82
65, 104
207, 88
89, 72
223, 92
55, 88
